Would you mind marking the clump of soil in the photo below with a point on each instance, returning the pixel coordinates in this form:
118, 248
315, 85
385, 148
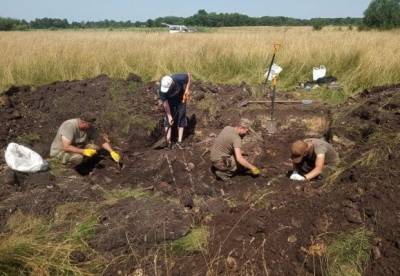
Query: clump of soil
118, 227
256, 225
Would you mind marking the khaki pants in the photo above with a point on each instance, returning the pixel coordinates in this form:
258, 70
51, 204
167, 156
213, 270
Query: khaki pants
69, 158
72, 158
225, 168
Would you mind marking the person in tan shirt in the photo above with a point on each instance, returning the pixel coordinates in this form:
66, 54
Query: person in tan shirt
71, 142
311, 157
226, 152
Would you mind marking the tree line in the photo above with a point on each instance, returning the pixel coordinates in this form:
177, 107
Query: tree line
201, 19
383, 14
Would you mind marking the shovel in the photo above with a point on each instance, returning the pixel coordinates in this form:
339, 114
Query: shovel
271, 124
162, 142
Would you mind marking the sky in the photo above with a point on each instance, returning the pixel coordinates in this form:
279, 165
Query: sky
141, 10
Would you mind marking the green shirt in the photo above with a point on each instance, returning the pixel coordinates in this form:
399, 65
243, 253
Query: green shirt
323, 147
70, 130
225, 143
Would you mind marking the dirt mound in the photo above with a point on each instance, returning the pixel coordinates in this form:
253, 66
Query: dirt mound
118, 228
265, 225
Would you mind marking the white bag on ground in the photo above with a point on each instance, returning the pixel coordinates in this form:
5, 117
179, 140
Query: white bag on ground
319, 72
297, 177
275, 71
23, 159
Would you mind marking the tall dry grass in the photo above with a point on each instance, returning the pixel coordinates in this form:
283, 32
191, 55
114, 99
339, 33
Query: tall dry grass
229, 55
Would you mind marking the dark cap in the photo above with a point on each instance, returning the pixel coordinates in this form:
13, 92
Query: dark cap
88, 117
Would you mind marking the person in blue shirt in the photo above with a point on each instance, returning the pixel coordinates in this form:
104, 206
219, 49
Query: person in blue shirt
174, 93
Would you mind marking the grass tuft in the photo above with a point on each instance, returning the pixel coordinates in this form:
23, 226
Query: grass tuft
31, 248
348, 253
195, 241
84, 230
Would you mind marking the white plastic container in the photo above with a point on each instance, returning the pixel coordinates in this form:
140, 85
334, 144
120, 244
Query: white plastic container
319, 72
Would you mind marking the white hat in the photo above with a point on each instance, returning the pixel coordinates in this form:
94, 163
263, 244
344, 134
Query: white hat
166, 83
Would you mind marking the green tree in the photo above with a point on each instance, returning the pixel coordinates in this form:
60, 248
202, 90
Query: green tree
6, 24
382, 14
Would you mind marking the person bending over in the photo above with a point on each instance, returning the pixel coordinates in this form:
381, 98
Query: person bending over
174, 92
311, 158
226, 154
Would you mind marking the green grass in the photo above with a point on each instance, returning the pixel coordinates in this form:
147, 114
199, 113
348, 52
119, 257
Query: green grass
84, 230
115, 195
223, 55
195, 241
348, 253
28, 138
326, 95
381, 145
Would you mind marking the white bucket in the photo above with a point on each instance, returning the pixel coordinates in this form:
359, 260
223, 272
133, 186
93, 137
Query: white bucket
319, 72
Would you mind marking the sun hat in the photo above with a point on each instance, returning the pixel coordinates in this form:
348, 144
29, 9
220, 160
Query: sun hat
166, 83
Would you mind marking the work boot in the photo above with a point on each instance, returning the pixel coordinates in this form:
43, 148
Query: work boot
169, 146
222, 176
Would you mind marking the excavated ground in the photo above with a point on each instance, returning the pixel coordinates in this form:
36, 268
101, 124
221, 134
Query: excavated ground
257, 226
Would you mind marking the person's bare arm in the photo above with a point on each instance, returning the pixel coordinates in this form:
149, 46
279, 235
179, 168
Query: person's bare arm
168, 111
70, 148
107, 147
242, 161
319, 166
187, 90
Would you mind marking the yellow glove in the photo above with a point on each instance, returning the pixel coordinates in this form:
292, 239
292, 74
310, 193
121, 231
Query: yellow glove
89, 152
115, 155
255, 171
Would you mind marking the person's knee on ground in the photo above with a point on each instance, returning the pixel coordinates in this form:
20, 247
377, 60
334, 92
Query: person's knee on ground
70, 159
92, 146
223, 175
225, 168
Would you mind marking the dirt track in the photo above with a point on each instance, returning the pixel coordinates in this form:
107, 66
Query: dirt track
264, 224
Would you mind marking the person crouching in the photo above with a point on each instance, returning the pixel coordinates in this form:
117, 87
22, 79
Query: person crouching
226, 154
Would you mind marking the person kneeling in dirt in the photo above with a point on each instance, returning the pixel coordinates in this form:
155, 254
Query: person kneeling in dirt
311, 158
71, 142
226, 155
174, 93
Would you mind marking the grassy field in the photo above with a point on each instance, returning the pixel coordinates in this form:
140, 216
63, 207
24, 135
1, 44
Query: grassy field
227, 55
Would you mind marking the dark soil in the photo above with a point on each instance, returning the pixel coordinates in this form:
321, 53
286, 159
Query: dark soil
264, 224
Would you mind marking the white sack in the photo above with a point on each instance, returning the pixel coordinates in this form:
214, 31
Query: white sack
275, 71
297, 177
23, 159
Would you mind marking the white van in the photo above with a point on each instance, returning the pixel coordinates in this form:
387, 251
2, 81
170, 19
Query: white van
177, 28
